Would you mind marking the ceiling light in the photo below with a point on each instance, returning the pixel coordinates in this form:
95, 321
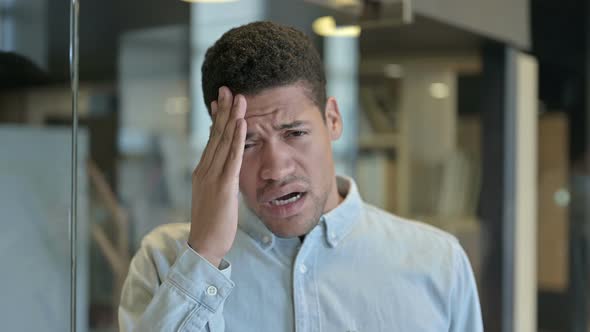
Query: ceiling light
393, 70
326, 26
346, 2
562, 197
209, 1
439, 90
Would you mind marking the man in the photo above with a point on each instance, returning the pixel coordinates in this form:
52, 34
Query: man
307, 253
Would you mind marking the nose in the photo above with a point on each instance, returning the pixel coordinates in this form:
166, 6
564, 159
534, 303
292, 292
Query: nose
276, 162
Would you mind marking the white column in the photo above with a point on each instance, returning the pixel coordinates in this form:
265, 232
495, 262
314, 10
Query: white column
341, 61
208, 22
521, 181
23, 29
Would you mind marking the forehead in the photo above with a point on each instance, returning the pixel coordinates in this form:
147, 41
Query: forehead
279, 104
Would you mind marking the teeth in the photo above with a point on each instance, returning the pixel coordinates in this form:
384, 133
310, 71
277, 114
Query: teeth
279, 202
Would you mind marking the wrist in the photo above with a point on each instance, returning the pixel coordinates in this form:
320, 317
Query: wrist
215, 260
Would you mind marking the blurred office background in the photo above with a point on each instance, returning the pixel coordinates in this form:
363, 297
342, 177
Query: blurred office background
471, 115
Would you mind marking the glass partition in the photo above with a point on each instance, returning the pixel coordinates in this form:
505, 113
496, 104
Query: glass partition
36, 171
421, 138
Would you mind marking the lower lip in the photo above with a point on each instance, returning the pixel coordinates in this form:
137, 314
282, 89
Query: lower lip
287, 210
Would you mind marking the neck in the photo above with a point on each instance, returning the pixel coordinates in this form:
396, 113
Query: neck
334, 197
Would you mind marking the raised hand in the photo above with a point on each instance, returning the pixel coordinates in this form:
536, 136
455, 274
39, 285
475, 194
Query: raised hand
215, 180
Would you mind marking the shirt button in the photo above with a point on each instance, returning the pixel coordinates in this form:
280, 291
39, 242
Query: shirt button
266, 239
211, 290
302, 268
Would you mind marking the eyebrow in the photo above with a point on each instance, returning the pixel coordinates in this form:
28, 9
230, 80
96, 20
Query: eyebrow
291, 125
294, 124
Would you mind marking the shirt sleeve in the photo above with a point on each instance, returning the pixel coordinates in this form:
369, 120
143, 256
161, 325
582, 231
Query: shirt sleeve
190, 298
465, 307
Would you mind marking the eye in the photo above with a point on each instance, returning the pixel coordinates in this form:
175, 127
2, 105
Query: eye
296, 133
248, 145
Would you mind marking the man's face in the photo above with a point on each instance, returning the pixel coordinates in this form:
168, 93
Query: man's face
287, 176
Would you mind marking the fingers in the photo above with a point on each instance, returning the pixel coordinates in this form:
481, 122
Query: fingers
209, 148
225, 102
233, 163
214, 108
220, 111
224, 147
226, 112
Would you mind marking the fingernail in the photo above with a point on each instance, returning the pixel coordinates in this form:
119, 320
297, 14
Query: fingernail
221, 92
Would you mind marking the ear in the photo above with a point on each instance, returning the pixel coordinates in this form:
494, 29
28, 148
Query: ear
333, 119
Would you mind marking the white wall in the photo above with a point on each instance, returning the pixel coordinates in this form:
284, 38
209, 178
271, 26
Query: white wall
23, 29
34, 241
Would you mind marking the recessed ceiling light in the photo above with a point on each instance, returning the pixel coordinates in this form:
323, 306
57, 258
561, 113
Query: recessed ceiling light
326, 26
439, 90
210, 1
393, 70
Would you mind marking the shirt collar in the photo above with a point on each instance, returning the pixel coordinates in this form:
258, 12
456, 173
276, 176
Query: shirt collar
254, 227
338, 222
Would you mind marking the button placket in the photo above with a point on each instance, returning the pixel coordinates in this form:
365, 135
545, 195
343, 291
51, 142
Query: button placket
304, 291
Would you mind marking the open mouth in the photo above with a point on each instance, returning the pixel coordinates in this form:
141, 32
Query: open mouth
287, 199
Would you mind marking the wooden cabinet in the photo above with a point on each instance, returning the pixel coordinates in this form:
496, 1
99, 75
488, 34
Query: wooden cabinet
553, 199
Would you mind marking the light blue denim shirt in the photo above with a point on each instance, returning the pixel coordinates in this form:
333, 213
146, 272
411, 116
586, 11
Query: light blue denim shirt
360, 269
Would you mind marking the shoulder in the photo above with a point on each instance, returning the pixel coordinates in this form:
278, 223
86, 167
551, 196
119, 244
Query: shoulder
162, 246
155, 256
414, 241
419, 250
167, 237
412, 231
